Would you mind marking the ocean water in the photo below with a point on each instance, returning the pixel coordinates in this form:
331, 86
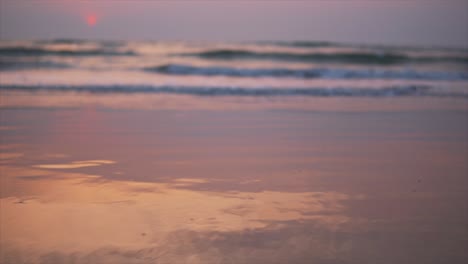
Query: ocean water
271, 152
269, 69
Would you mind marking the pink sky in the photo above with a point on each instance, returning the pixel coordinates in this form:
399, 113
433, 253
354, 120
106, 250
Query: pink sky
421, 22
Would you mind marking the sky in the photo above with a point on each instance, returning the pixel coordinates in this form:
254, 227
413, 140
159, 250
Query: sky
400, 22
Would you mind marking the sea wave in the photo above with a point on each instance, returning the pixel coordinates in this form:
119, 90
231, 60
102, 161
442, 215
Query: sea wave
392, 91
381, 47
62, 41
363, 57
180, 69
38, 51
7, 65
303, 44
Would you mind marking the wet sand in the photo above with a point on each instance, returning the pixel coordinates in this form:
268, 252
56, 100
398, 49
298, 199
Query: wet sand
102, 185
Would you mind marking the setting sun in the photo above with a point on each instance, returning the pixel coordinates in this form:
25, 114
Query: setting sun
91, 20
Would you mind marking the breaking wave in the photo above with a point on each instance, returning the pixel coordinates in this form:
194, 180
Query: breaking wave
180, 69
379, 58
304, 44
393, 91
35, 51
7, 65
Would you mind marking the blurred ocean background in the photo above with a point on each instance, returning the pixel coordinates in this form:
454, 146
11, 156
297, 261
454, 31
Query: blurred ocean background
258, 69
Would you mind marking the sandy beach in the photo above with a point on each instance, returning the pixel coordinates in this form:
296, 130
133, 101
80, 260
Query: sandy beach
103, 185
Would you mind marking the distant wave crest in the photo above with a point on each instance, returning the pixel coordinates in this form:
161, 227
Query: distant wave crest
393, 91
7, 65
36, 51
306, 44
180, 69
364, 57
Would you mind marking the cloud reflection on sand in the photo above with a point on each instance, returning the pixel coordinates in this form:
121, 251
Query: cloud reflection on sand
75, 164
61, 213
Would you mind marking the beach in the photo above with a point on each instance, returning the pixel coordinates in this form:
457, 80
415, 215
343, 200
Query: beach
146, 152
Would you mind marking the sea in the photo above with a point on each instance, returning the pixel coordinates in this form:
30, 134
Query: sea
262, 69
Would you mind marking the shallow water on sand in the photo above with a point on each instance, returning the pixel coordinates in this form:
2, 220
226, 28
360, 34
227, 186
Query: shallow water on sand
94, 185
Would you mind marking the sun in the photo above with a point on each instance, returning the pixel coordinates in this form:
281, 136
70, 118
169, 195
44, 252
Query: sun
91, 20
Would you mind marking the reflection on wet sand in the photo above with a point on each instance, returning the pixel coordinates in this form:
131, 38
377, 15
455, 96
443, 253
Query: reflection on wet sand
107, 186
73, 212
75, 164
